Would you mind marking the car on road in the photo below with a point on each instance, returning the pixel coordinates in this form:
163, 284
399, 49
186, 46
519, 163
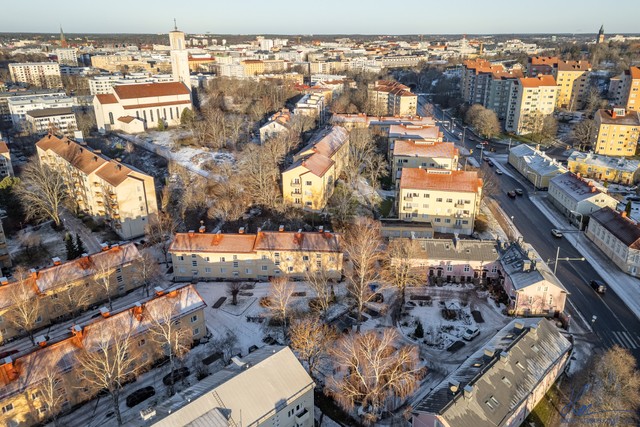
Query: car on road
490, 163
459, 134
511, 194
519, 191
470, 334
140, 395
178, 375
598, 286
633, 198
498, 171
556, 232
479, 146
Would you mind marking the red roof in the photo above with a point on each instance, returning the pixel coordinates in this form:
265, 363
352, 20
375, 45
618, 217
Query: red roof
107, 99
438, 179
3, 147
542, 80
148, 90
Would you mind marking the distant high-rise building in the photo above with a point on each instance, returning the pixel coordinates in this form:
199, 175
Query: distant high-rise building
39, 74
600, 38
179, 57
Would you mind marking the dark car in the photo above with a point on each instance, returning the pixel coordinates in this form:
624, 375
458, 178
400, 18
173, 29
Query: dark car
519, 191
140, 396
511, 194
490, 163
178, 374
598, 286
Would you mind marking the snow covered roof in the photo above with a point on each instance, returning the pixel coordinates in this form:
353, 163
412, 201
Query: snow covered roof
493, 383
462, 250
269, 378
525, 268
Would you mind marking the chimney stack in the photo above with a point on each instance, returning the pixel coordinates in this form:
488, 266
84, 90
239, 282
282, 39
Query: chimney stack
241, 230
159, 291
104, 247
281, 229
623, 214
56, 261
41, 341
191, 233
4, 281
468, 391
104, 311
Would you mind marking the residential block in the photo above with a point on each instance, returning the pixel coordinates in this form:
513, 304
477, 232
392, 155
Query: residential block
618, 132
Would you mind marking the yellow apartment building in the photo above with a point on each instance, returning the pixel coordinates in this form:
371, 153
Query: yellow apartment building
309, 182
573, 80
66, 289
104, 188
532, 98
207, 256
253, 67
422, 154
618, 132
448, 200
625, 89
392, 98
28, 377
604, 168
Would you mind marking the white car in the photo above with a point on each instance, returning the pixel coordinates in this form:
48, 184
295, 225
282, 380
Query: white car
556, 232
479, 146
471, 333
498, 172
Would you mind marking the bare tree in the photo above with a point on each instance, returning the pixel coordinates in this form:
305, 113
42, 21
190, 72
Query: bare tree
160, 229
342, 206
165, 331
103, 273
25, 311
376, 372
227, 345
311, 339
609, 386
50, 394
233, 289
73, 299
260, 178
400, 270
320, 282
483, 120
108, 360
585, 133
42, 192
280, 294
362, 247
146, 272
361, 147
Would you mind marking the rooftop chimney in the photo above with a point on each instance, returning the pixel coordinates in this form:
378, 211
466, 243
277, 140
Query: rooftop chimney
4, 281
41, 341
623, 214
191, 233
56, 261
489, 351
158, 290
454, 386
519, 326
468, 391
321, 228
281, 228
241, 230
104, 247
104, 311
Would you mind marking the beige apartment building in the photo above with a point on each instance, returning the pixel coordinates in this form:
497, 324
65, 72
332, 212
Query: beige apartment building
625, 89
207, 256
6, 169
448, 199
573, 81
392, 98
129, 63
133, 108
406, 154
618, 132
39, 74
101, 187
309, 182
618, 237
253, 67
42, 121
532, 99
66, 289
27, 378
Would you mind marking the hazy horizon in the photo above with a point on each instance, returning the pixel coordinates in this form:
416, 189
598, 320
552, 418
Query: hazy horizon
332, 17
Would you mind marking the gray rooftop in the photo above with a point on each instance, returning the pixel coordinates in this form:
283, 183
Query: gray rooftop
537, 161
525, 268
574, 187
461, 250
495, 380
617, 163
631, 118
50, 112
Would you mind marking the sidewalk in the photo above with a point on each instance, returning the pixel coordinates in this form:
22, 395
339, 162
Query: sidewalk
625, 286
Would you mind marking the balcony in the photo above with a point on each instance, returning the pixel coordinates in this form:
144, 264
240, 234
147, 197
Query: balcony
459, 205
296, 184
408, 198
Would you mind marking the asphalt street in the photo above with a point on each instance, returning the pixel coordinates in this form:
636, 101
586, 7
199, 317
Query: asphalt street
615, 323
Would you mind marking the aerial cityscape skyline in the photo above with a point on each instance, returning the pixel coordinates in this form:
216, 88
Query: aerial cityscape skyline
330, 17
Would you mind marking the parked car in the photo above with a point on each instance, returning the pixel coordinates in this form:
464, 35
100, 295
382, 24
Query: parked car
479, 146
519, 191
140, 395
498, 171
178, 374
556, 232
511, 194
598, 286
471, 333
490, 163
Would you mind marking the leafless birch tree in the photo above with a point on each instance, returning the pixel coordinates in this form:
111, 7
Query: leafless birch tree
311, 339
280, 295
146, 272
42, 192
322, 285
25, 311
399, 265
374, 371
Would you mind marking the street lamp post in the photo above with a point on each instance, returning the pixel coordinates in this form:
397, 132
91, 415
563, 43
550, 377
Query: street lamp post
581, 217
481, 152
555, 264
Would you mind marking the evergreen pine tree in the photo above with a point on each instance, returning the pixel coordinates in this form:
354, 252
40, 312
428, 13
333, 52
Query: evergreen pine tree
419, 333
627, 209
71, 248
80, 249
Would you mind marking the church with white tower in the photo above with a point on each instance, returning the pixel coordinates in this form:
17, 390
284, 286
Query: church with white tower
179, 57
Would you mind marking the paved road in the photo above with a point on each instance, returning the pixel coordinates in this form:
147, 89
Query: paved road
616, 323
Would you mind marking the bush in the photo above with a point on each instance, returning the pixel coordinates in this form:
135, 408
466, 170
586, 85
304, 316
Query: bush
482, 224
419, 333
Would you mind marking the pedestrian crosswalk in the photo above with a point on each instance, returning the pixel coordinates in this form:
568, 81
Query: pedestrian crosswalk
624, 339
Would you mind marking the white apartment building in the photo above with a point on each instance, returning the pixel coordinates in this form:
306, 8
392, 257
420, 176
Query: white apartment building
40, 74
19, 106
67, 56
531, 99
6, 169
41, 121
312, 105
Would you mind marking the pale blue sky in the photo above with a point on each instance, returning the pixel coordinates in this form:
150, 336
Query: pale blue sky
322, 16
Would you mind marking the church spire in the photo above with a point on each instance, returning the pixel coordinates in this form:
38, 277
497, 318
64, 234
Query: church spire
175, 25
63, 40
601, 30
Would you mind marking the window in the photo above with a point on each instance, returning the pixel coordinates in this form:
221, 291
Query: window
264, 268
235, 264
194, 263
235, 257
180, 258
36, 395
308, 183
7, 408
196, 331
222, 259
194, 318
111, 118
142, 342
223, 270
290, 269
305, 257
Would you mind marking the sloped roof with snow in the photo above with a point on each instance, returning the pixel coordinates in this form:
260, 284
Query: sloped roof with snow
493, 384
